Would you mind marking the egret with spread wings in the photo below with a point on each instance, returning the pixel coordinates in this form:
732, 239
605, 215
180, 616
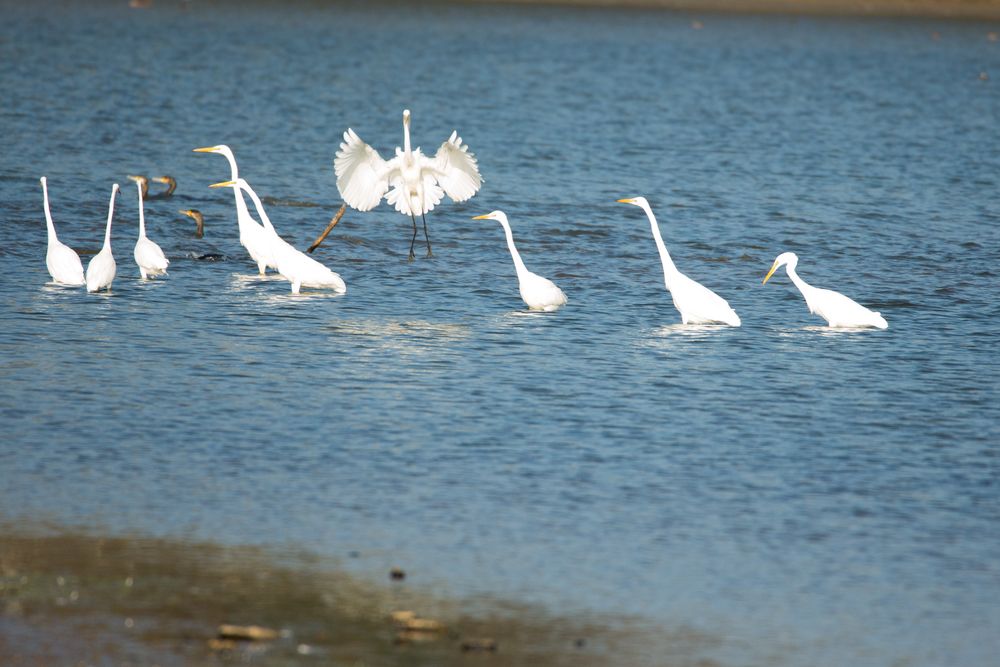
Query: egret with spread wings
412, 182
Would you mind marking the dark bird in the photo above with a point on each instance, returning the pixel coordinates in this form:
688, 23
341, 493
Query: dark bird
199, 220
144, 184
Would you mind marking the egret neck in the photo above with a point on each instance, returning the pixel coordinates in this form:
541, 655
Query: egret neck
670, 271
48, 214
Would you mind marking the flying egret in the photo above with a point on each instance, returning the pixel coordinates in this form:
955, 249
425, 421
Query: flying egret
837, 309
253, 237
697, 304
199, 221
62, 261
538, 292
417, 182
101, 269
147, 254
294, 265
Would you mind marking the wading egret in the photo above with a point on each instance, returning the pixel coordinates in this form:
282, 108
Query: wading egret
62, 261
837, 309
697, 304
147, 254
538, 292
101, 269
253, 237
294, 265
417, 182
199, 221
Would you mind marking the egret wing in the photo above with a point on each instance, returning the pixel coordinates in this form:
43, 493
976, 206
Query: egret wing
456, 170
362, 174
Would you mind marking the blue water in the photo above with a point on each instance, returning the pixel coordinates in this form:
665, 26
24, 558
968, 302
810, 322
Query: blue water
799, 496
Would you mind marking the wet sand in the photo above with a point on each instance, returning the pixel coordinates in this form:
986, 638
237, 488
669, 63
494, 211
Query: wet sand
85, 599
963, 9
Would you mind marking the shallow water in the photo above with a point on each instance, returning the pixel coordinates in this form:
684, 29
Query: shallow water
802, 495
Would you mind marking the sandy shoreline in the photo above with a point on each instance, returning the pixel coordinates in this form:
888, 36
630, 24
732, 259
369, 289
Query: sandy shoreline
954, 9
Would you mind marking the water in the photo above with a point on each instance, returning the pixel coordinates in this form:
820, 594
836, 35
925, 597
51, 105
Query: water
799, 495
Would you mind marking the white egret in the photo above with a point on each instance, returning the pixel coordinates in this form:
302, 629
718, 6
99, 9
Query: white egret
538, 292
62, 261
417, 182
253, 237
838, 310
294, 265
148, 255
101, 269
697, 304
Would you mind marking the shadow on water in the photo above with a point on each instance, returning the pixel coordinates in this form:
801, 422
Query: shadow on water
77, 598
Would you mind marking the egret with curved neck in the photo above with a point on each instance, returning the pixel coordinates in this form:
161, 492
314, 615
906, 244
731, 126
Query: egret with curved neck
838, 310
696, 303
294, 265
538, 292
253, 237
148, 256
411, 182
63, 263
101, 269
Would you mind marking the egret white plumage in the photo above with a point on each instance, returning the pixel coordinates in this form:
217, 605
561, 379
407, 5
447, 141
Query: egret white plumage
538, 292
101, 268
294, 265
63, 263
417, 182
253, 236
838, 310
697, 304
148, 255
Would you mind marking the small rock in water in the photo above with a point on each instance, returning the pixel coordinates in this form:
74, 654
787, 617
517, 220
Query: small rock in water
246, 632
397, 574
482, 644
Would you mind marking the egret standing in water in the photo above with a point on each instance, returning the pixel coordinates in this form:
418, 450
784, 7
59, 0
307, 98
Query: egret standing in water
63, 263
538, 292
697, 304
417, 182
294, 265
253, 237
838, 310
148, 255
101, 269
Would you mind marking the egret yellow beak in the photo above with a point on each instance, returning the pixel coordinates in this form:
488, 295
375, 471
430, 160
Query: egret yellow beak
626, 201
774, 267
482, 217
224, 184
206, 149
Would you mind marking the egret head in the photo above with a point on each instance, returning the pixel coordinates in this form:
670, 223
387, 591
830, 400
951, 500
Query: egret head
221, 148
495, 215
406, 117
789, 258
635, 201
43, 181
225, 184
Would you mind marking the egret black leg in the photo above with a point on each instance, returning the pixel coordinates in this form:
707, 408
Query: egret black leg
414, 239
426, 237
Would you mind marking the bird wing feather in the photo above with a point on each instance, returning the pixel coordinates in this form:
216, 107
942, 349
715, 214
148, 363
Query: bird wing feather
455, 169
362, 175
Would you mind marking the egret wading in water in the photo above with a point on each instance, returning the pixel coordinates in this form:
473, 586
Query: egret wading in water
411, 181
538, 292
148, 255
294, 265
838, 310
63, 263
101, 269
253, 237
199, 221
697, 304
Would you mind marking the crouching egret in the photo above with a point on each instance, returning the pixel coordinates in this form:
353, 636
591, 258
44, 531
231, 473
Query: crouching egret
101, 269
837, 309
147, 254
538, 292
417, 182
697, 304
253, 237
63, 263
294, 265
